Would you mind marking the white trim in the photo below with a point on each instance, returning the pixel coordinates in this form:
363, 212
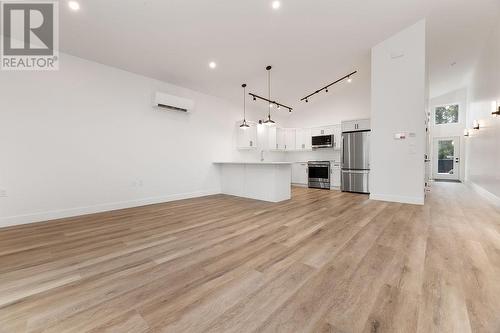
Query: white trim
397, 198
78, 211
300, 185
484, 193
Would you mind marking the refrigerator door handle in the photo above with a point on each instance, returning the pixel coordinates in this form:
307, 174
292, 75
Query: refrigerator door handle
356, 171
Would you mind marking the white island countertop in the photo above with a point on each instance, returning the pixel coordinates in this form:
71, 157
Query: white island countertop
267, 181
256, 163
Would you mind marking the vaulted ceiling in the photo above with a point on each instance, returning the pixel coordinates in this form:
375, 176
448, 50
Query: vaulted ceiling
308, 42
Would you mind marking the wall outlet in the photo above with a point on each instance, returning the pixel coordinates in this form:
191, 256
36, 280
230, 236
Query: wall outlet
3, 193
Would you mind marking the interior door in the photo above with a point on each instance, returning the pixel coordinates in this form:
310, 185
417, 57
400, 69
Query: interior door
446, 156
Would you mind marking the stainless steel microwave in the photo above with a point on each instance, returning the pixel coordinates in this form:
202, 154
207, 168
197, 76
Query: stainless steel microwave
322, 141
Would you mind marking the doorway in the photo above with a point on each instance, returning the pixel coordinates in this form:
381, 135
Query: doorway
446, 158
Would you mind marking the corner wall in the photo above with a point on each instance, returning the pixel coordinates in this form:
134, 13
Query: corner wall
398, 106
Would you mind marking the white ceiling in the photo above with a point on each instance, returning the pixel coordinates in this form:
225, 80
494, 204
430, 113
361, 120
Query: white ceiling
309, 43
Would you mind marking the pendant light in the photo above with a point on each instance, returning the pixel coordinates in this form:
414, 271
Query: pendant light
244, 125
269, 121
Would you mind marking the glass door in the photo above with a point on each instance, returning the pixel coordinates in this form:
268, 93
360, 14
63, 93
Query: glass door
447, 158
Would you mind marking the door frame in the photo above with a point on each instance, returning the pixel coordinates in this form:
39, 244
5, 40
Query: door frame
456, 160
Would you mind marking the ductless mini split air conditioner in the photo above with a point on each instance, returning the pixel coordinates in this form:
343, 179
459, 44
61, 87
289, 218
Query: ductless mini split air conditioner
164, 101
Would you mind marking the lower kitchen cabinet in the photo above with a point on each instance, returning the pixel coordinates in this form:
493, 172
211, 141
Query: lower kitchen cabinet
299, 174
335, 175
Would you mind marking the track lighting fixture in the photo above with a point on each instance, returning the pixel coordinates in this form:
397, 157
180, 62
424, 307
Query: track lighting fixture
244, 125
270, 102
348, 77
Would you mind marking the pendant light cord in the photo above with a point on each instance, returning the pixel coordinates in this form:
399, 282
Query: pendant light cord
269, 89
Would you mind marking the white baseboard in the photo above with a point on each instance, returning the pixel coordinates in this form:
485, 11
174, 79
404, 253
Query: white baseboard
396, 198
484, 193
78, 211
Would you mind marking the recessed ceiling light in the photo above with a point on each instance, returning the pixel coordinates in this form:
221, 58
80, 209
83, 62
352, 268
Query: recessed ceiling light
276, 4
73, 5
212, 64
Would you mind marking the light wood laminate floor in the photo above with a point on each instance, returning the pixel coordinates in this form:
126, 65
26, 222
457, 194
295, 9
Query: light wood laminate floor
321, 262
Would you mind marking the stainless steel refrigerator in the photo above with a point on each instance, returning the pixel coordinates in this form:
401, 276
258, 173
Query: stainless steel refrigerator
356, 162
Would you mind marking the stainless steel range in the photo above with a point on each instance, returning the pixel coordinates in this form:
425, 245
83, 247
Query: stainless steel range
319, 174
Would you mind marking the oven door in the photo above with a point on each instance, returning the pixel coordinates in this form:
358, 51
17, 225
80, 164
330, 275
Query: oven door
319, 176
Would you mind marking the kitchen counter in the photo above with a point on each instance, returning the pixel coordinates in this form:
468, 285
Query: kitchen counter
256, 163
266, 181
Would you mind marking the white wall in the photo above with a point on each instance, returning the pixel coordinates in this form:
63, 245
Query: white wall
86, 138
450, 130
344, 101
483, 146
398, 105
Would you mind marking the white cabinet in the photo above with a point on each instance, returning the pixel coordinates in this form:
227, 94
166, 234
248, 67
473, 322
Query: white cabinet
289, 134
280, 138
299, 174
337, 137
326, 130
276, 138
335, 175
246, 138
303, 139
272, 138
356, 125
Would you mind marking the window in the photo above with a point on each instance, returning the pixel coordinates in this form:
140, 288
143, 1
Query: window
446, 114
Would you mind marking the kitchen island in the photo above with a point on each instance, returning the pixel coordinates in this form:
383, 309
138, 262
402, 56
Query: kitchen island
267, 181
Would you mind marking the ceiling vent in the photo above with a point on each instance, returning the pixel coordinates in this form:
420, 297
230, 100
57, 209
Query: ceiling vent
166, 102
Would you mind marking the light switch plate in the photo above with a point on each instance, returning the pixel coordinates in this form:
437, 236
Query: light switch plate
399, 136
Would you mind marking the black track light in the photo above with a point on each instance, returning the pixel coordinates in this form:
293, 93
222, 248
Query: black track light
347, 77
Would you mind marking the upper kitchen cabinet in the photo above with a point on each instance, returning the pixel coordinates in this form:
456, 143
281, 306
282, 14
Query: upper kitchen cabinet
276, 138
290, 138
326, 130
356, 125
246, 137
303, 139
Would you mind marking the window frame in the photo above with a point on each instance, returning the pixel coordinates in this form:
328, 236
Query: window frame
442, 106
